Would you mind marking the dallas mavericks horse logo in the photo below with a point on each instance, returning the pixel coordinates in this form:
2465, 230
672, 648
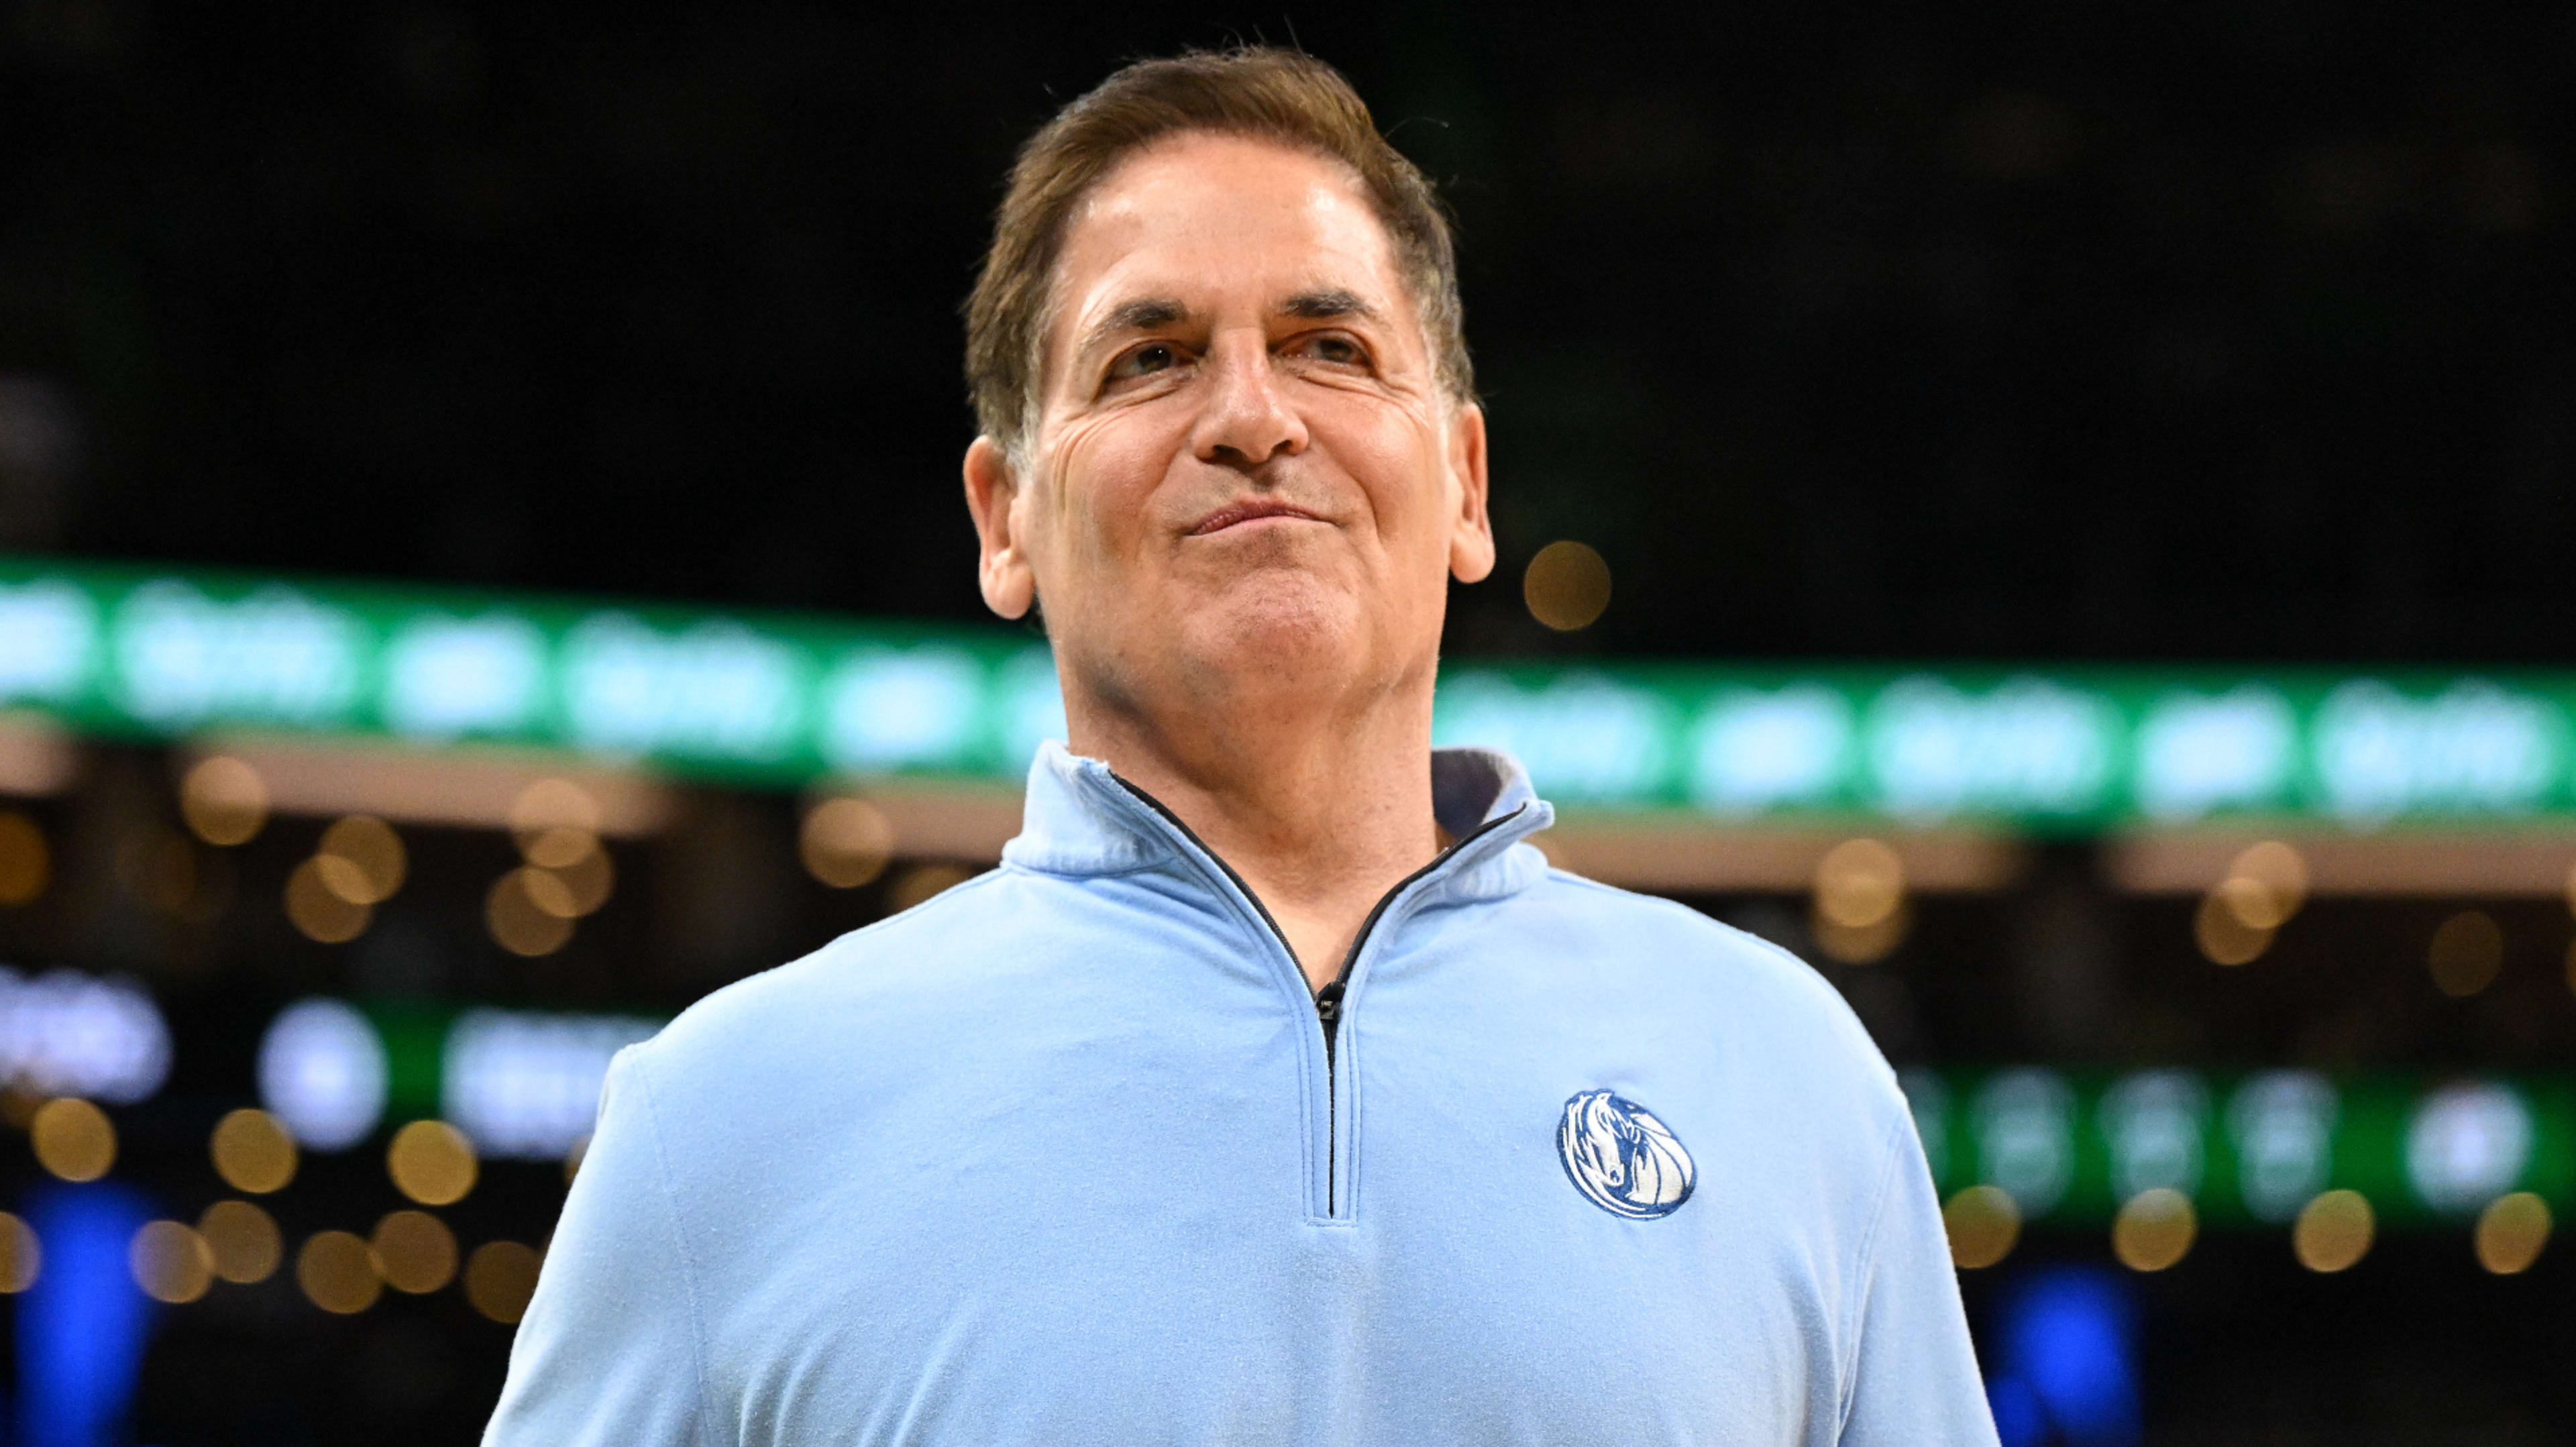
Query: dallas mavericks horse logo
1621, 1158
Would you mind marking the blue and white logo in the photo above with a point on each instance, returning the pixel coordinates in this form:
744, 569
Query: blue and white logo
1621, 1158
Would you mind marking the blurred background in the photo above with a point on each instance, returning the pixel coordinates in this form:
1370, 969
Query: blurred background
2059, 516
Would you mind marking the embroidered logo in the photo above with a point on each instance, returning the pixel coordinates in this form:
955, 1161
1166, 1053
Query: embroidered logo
1621, 1158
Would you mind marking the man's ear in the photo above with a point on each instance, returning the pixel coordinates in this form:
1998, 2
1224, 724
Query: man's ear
1471, 533
993, 495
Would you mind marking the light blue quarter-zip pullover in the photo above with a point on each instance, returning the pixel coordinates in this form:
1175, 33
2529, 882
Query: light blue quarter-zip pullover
1071, 1155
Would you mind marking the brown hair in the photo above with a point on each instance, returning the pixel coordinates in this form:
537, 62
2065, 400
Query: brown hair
1254, 91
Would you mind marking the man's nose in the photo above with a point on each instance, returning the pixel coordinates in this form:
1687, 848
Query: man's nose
1247, 419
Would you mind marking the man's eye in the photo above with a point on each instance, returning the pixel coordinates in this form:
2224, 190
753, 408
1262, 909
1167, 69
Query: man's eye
1340, 351
1145, 361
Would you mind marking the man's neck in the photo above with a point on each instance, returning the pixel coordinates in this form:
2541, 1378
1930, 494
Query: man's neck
1321, 811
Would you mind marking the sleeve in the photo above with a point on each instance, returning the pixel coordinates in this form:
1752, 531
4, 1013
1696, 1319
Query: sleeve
609, 1354
1913, 1376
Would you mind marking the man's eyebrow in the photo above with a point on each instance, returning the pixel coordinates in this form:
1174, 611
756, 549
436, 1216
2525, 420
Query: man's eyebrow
1321, 306
1141, 315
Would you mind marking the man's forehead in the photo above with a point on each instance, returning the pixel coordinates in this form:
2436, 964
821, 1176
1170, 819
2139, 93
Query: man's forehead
1214, 222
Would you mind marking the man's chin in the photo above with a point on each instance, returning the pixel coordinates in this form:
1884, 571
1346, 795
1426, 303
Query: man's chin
1277, 625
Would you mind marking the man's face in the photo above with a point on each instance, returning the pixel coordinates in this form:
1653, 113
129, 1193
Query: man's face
1244, 468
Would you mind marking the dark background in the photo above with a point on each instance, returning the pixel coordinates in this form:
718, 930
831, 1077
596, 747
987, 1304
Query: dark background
2231, 331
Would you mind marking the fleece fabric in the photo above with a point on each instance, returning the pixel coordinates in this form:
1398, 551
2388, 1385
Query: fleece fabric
1067, 1155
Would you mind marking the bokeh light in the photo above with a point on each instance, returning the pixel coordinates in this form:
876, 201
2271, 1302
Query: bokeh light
73, 1139
1983, 1224
2512, 1232
559, 846
2265, 885
337, 1273
1860, 914
223, 800
1567, 586
22, 1256
414, 1251
171, 1263
252, 1151
923, 882
2154, 1229
2223, 936
2334, 1231
846, 842
516, 912
499, 1278
549, 805
245, 1241
432, 1162
362, 859
2466, 954
1859, 882
320, 912
26, 862
581, 885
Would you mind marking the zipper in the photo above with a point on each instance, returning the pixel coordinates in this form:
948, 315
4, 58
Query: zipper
1329, 1009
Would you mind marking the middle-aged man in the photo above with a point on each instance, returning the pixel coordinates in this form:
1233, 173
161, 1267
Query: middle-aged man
1273, 1090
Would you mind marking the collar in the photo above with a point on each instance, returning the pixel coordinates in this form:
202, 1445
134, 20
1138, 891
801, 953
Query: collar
1079, 820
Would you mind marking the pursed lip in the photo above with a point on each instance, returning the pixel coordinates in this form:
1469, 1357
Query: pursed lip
1250, 509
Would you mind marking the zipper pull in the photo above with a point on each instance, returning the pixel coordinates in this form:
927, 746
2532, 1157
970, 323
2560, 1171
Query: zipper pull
1328, 1003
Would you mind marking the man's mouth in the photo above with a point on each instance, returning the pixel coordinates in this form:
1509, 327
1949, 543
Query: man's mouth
1251, 509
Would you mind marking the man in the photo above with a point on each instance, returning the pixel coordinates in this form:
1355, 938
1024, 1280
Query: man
1273, 1090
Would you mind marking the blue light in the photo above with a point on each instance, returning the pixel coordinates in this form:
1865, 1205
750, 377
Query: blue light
82, 1326
2066, 1352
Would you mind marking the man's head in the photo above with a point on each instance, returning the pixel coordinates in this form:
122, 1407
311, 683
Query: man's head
1226, 406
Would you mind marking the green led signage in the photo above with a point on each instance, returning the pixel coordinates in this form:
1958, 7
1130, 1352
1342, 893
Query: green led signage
787, 699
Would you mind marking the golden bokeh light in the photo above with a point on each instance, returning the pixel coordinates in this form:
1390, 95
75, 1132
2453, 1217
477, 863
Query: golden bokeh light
73, 1139
559, 846
1567, 586
2466, 954
337, 1273
415, 1252
244, 1239
921, 883
22, 1256
1859, 882
223, 800
252, 1151
2512, 1231
2334, 1231
374, 858
499, 1278
2265, 885
581, 886
846, 842
26, 862
547, 891
1983, 1223
517, 915
2223, 937
1860, 944
2154, 1229
432, 1162
320, 912
170, 1262
550, 804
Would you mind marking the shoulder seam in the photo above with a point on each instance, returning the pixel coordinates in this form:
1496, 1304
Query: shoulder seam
1865, 1264
680, 1246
